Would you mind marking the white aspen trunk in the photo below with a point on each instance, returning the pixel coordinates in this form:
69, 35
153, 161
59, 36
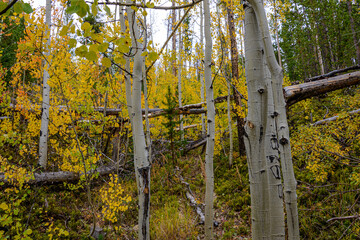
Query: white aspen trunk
230, 125
255, 128
282, 128
142, 164
203, 127
127, 68
44, 129
319, 56
210, 142
179, 79
148, 139
277, 35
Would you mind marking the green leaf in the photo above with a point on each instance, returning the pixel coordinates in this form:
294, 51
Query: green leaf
72, 9
85, 26
28, 231
27, 8
150, 4
103, 47
82, 12
94, 9
91, 55
94, 48
18, 8
81, 51
64, 31
120, 60
106, 62
107, 10
153, 56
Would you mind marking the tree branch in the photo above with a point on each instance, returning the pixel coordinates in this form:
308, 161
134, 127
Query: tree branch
138, 5
8, 7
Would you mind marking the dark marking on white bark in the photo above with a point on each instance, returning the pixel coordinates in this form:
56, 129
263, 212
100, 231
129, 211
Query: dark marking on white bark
272, 158
284, 141
261, 133
144, 172
275, 171
280, 192
261, 90
274, 143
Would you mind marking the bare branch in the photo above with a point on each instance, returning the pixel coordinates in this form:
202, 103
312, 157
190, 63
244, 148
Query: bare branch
138, 5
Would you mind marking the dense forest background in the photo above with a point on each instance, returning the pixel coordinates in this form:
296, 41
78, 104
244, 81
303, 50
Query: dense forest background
88, 186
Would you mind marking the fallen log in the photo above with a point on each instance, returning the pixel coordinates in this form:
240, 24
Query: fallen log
61, 176
332, 73
296, 93
194, 145
193, 203
324, 121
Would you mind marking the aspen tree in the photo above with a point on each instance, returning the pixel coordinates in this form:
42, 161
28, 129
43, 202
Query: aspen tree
210, 138
179, 79
44, 129
235, 74
141, 158
277, 142
202, 93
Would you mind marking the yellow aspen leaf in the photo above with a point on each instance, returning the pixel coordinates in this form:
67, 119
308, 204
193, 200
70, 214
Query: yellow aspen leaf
64, 31
153, 56
106, 62
103, 47
91, 55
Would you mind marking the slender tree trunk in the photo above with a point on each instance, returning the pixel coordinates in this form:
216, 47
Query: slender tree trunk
179, 79
277, 35
230, 125
352, 24
141, 158
282, 139
235, 76
173, 23
321, 63
144, 81
210, 142
44, 129
203, 127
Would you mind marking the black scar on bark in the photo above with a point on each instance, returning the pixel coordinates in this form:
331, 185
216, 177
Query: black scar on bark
274, 143
275, 171
261, 133
144, 172
272, 158
283, 141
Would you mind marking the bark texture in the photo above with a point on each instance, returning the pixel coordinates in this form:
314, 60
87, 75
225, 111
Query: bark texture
277, 141
141, 157
210, 143
44, 129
